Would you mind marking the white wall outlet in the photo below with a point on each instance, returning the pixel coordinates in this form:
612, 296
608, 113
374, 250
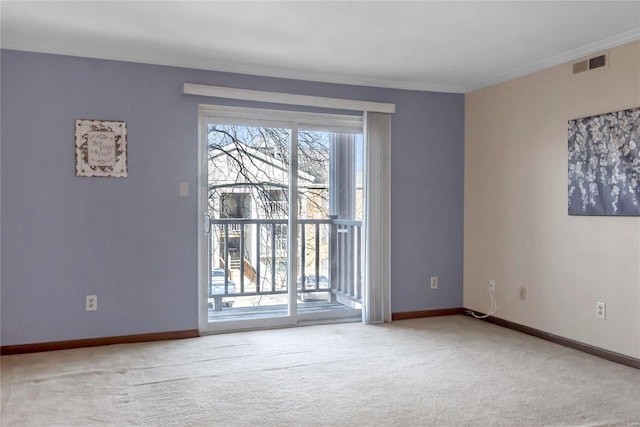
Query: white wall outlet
184, 188
601, 310
91, 303
523, 293
492, 285
434, 282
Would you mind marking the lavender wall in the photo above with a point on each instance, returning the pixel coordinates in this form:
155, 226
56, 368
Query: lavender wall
133, 241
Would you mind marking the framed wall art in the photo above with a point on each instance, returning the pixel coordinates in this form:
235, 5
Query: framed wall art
604, 164
101, 148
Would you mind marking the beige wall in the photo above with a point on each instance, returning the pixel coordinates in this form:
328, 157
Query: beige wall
516, 227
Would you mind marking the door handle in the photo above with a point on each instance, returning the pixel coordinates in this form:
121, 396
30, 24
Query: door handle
207, 223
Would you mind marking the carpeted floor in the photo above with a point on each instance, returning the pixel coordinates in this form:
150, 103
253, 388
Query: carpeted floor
447, 371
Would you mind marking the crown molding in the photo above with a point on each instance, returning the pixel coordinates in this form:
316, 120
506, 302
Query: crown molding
320, 77
565, 57
229, 67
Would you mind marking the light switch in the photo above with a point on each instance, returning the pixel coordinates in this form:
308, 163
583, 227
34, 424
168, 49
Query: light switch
184, 189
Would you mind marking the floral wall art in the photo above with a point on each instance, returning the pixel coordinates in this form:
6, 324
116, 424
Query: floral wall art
604, 164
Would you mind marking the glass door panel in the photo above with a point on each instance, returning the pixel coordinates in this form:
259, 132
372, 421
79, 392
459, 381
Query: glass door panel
248, 203
329, 255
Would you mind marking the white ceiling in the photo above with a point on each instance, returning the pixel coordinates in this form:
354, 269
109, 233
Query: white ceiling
443, 46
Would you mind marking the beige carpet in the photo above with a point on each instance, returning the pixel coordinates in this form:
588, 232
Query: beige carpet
448, 371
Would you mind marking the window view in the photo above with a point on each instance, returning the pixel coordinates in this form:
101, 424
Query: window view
249, 206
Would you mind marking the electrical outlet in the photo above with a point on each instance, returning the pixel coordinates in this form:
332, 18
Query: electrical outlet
523, 293
434, 282
492, 285
601, 310
91, 303
184, 188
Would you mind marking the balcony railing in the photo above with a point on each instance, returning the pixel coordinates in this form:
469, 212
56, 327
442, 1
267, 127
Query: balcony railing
329, 258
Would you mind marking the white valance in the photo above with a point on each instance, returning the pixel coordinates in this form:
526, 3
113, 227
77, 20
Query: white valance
286, 98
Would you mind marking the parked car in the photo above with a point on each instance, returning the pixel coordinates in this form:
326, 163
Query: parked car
216, 290
216, 284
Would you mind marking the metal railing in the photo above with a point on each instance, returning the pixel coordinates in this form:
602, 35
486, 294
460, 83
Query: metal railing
329, 257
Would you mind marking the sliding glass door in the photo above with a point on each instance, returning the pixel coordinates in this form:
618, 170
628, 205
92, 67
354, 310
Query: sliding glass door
282, 207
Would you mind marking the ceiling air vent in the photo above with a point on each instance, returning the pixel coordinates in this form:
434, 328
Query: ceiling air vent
590, 64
